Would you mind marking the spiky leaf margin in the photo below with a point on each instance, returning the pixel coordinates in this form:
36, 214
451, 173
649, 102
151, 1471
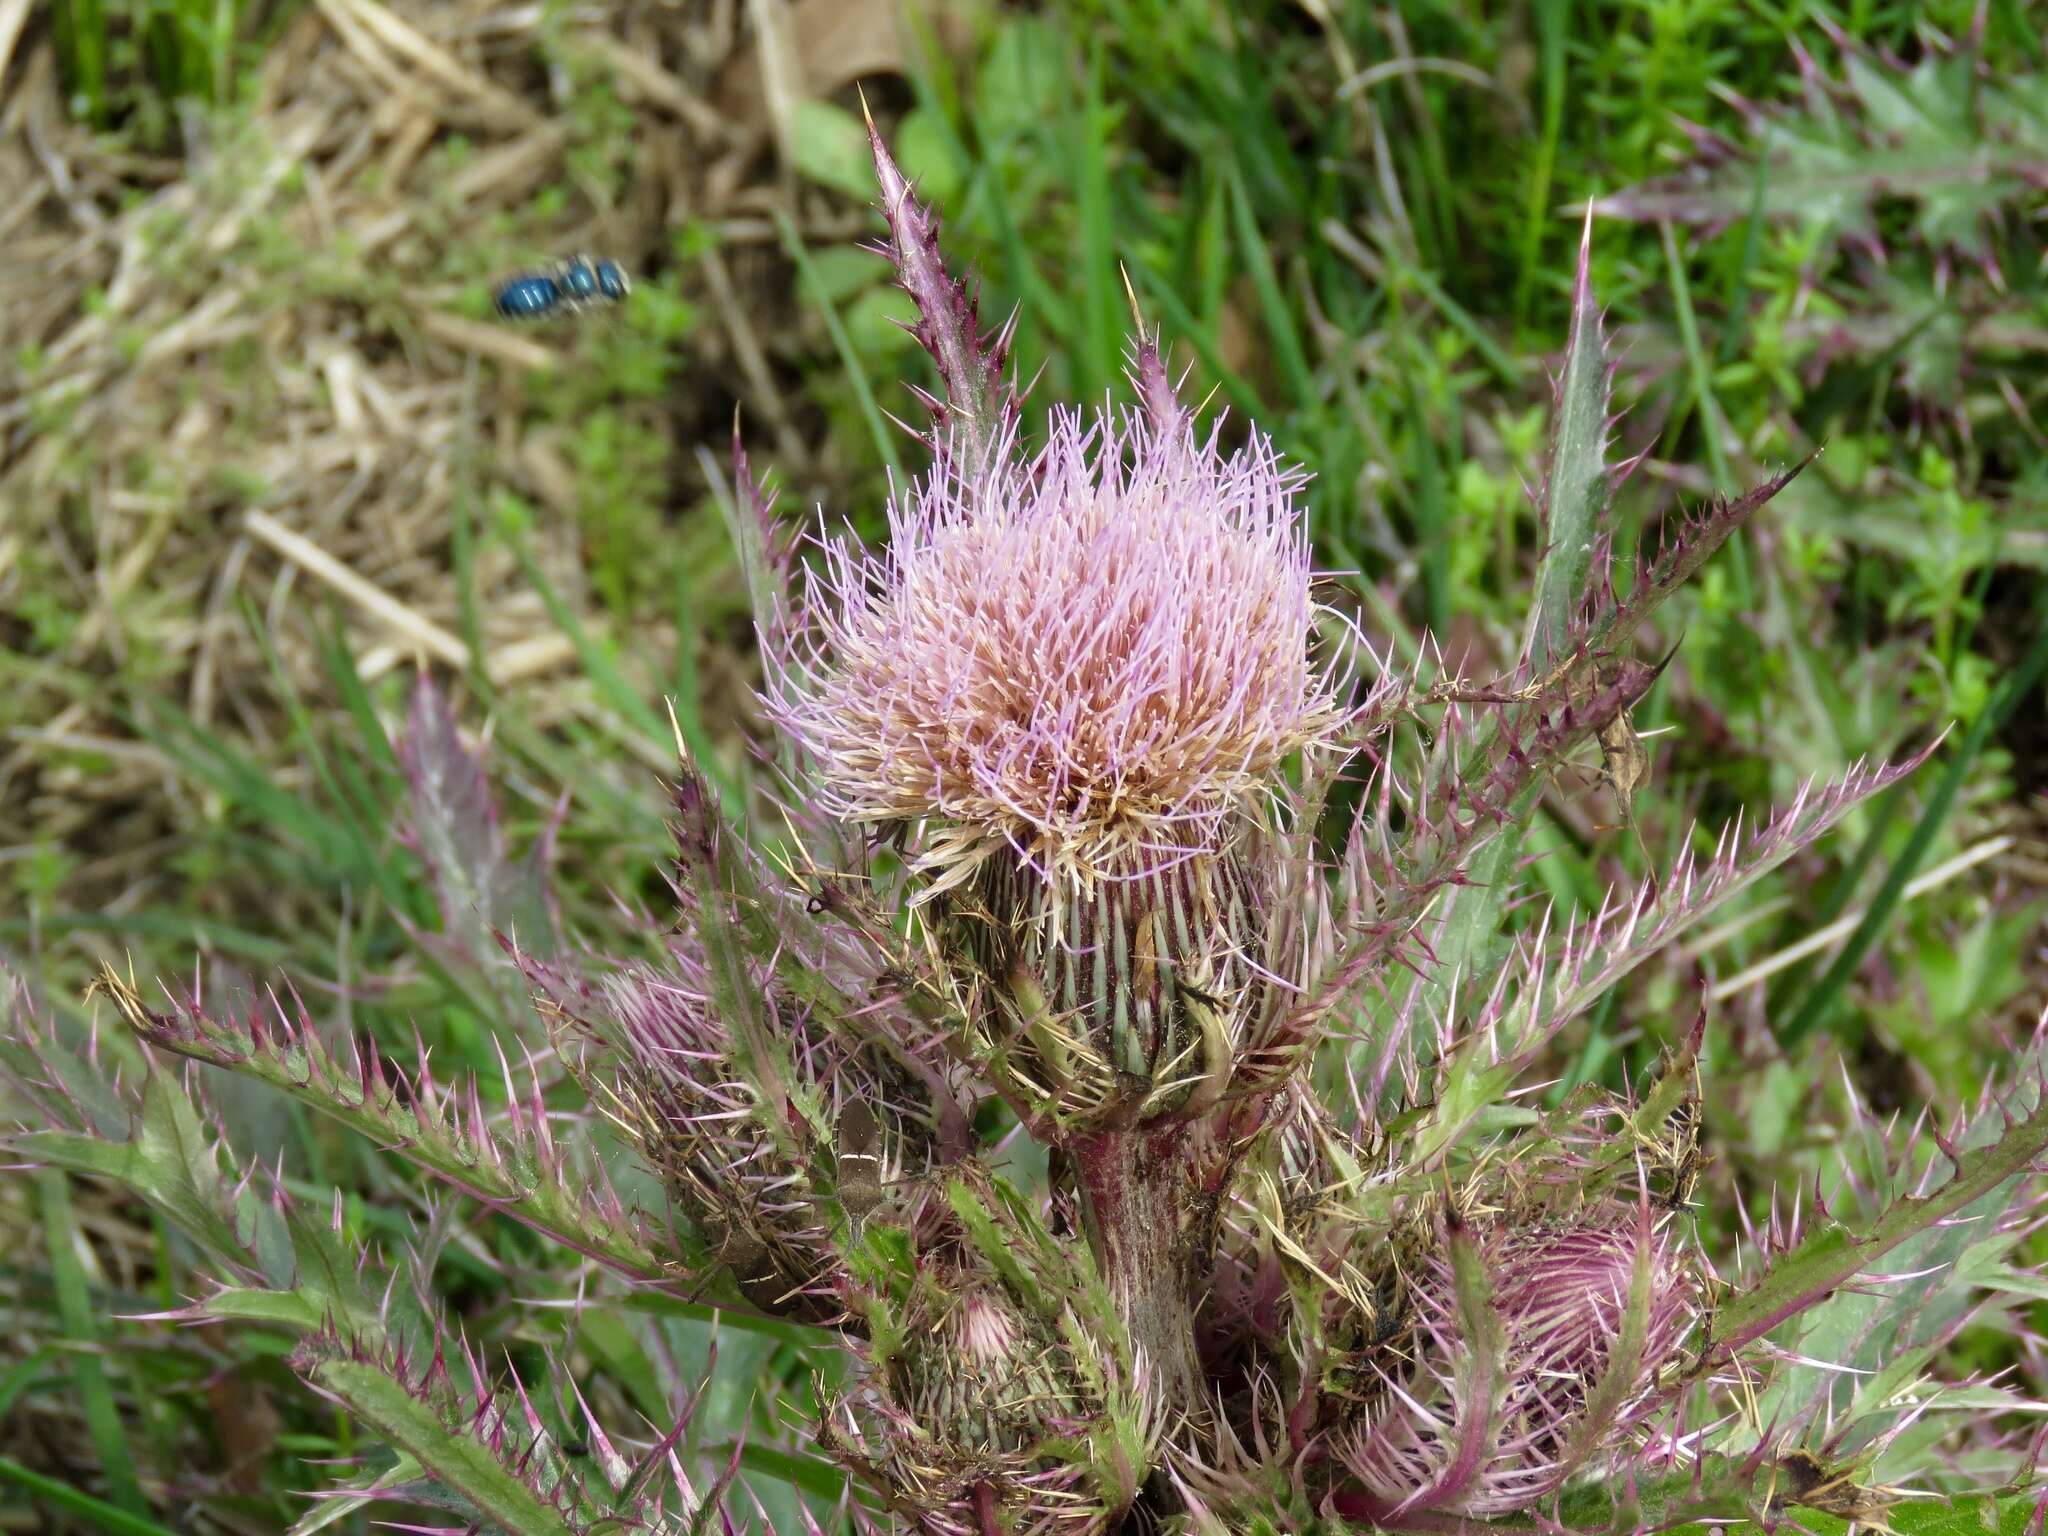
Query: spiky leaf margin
514, 1165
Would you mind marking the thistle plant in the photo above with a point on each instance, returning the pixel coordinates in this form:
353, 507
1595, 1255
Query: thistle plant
1094, 831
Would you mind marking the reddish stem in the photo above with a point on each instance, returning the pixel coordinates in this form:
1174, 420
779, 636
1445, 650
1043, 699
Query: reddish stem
1135, 1188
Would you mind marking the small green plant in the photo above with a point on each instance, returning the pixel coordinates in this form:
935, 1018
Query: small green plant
1893, 204
137, 65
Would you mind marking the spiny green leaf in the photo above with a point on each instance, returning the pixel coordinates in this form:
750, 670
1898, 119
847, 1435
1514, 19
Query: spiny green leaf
1576, 492
996, 1246
1957, 143
172, 1164
1681, 1505
1578, 484
1833, 1255
455, 1459
433, 1131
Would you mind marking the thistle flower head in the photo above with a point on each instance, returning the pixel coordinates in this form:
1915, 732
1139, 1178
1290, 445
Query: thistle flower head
1584, 1313
1090, 657
985, 1373
964, 1421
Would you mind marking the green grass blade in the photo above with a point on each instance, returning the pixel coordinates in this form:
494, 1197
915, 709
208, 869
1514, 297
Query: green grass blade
182, 928
1736, 304
354, 818
849, 357
25, 1374
1101, 289
1553, 22
81, 30
1711, 418
814, 1475
462, 525
374, 740
220, 51
75, 1310
1433, 535
106, 1517
1883, 812
1280, 327
601, 665
1504, 367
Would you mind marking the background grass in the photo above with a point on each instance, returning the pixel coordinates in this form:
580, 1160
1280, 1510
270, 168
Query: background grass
1356, 223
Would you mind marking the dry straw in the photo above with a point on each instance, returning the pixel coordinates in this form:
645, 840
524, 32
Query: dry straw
239, 376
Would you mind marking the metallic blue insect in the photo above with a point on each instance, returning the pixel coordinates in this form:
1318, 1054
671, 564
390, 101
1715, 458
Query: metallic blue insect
577, 283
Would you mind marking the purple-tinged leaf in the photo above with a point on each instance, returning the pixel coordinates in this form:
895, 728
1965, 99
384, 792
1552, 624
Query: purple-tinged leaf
455, 823
1960, 143
1561, 980
673, 1088
1157, 396
1552, 982
1685, 549
1453, 812
65, 1088
1464, 946
454, 829
979, 410
767, 548
515, 1166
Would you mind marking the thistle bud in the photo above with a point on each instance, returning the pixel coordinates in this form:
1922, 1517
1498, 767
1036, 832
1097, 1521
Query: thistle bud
971, 1418
1484, 1415
984, 1375
747, 1182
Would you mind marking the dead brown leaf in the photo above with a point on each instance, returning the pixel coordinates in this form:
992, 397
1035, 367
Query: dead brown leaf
829, 44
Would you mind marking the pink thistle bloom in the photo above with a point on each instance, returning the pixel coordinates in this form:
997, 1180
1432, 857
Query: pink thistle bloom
1092, 658
1561, 1293
985, 1331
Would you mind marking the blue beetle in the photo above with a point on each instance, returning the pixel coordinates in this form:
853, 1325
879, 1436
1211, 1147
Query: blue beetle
569, 285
